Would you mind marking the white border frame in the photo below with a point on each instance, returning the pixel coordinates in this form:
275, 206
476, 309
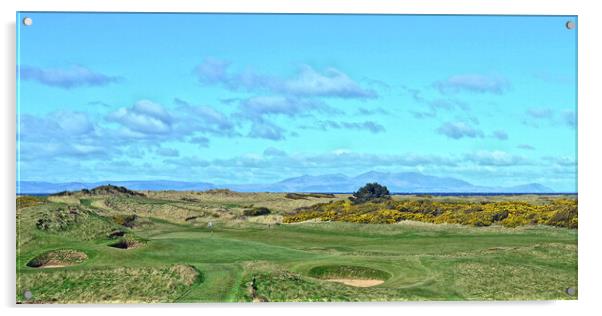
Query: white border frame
589, 22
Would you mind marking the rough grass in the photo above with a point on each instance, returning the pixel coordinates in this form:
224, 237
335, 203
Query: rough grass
59, 220
119, 285
25, 201
277, 202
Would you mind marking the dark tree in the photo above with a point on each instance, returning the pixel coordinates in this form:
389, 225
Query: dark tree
371, 192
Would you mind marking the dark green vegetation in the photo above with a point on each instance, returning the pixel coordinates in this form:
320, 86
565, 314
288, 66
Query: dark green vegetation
305, 196
256, 211
559, 212
102, 190
157, 247
371, 192
125, 220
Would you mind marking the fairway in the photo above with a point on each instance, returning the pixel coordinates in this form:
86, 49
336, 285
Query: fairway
200, 247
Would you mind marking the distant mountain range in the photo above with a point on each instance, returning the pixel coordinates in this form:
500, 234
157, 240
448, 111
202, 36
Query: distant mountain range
404, 182
49, 187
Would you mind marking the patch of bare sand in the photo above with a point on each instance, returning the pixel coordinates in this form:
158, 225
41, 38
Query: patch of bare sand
358, 282
58, 259
54, 266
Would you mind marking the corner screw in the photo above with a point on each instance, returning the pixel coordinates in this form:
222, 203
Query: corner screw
570, 291
570, 25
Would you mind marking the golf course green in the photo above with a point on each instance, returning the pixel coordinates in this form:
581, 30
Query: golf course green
170, 246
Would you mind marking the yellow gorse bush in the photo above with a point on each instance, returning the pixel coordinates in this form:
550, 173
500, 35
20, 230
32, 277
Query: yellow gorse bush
559, 212
27, 201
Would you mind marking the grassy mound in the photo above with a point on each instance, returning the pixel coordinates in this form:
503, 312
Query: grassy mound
111, 190
161, 284
60, 219
58, 258
347, 272
50, 220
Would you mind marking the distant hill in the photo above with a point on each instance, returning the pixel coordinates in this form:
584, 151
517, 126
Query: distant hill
104, 190
48, 187
403, 182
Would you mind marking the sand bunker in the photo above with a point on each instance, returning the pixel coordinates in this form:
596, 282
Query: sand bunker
358, 276
58, 259
126, 244
357, 282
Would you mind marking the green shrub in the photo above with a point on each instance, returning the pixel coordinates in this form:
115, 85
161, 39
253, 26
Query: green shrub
256, 211
371, 192
125, 220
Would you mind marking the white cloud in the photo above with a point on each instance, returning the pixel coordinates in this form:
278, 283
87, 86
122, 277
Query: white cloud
144, 117
307, 82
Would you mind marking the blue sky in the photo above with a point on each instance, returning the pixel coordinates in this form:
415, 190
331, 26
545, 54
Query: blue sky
259, 98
